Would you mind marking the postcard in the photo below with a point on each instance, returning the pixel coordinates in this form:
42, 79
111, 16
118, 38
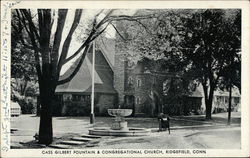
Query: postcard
125, 78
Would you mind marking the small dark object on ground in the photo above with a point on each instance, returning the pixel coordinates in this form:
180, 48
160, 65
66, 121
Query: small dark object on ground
12, 130
164, 122
36, 136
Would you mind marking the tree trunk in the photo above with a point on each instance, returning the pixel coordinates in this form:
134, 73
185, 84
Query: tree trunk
209, 103
208, 100
45, 129
38, 104
229, 106
23, 87
208, 110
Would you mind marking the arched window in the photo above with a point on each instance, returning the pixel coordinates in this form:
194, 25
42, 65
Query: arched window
130, 80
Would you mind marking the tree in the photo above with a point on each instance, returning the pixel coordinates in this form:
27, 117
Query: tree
211, 41
231, 75
197, 44
51, 53
23, 71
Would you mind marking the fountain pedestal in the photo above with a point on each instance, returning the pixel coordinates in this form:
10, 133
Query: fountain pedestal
119, 123
119, 127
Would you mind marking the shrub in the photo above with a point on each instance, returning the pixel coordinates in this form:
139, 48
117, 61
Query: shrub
27, 107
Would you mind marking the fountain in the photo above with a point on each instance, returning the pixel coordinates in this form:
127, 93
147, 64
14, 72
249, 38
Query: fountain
119, 127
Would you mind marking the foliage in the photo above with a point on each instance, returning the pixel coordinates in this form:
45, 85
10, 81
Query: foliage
231, 76
24, 92
211, 40
156, 43
27, 106
195, 44
154, 39
22, 58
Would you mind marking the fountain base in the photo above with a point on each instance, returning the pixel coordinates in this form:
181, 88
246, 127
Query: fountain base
105, 131
119, 127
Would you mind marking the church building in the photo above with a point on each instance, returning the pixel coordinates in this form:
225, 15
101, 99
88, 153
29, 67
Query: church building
118, 83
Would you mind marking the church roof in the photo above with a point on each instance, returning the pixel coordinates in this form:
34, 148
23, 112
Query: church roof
82, 81
107, 46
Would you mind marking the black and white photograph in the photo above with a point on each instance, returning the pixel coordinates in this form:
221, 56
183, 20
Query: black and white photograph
124, 81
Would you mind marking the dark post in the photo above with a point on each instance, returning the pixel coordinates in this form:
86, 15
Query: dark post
230, 105
92, 118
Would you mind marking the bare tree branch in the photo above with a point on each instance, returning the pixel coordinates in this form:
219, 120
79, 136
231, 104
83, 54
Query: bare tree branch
144, 26
93, 35
75, 54
98, 33
44, 18
89, 39
131, 18
62, 13
67, 41
95, 18
29, 18
118, 32
82, 57
33, 41
23, 21
18, 31
104, 20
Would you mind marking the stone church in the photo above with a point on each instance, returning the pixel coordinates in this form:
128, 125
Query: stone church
118, 82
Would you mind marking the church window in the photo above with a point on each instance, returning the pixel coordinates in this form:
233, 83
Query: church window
138, 100
130, 64
67, 97
130, 80
138, 83
77, 97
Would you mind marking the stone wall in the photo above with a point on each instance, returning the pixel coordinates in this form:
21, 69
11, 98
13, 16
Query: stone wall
119, 72
129, 80
142, 91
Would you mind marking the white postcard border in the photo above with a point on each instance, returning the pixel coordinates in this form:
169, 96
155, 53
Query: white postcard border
6, 6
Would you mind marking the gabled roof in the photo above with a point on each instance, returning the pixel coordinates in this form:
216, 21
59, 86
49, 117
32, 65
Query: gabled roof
81, 82
107, 46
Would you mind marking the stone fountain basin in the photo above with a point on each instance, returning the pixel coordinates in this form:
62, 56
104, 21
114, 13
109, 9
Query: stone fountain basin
120, 112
